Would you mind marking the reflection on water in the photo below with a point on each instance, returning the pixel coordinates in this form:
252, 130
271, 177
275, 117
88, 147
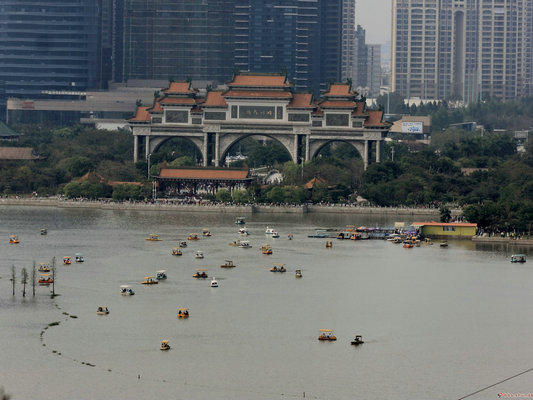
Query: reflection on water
437, 323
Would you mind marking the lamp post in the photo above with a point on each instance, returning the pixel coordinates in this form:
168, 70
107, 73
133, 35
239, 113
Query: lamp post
148, 172
302, 161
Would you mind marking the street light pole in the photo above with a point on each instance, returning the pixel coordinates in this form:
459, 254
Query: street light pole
148, 172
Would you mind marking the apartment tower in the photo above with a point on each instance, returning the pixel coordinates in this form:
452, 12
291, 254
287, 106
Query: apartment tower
461, 49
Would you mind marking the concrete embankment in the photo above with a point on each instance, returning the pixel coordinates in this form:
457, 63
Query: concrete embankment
504, 240
228, 209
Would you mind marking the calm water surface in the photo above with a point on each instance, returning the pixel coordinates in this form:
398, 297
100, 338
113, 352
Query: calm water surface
438, 323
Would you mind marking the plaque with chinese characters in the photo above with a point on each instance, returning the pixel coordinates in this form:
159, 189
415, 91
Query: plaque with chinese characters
257, 112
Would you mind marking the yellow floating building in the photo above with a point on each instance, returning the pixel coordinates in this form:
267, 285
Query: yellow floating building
459, 230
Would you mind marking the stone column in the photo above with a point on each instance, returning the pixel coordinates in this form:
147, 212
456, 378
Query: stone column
295, 149
378, 151
307, 149
135, 148
204, 149
217, 149
365, 155
147, 147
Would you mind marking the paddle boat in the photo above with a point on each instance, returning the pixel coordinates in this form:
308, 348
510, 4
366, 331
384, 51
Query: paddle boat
149, 280
183, 313
240, 220
193, 236
289, 236
245, 244
206, 233
153, 238
200, 274
102, 310
126, 290
176, 251
44, 267
266, 249
358, 340
161, 274
44, 231
164, 345
45, 279
78, 257
278, 268
319, 233
329, 244
427, 242
183, 244
298, 273
269, 231
243, 231
407, 244
13, 239
235, 243
275, 235
67, 260
444, 243
198, 254
518, 258
326, 334
228, 264
214, 282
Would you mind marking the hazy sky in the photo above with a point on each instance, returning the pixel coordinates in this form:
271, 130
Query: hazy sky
375, 17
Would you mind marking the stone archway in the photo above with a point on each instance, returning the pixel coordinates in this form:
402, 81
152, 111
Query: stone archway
155, 142
226, 141
362, 147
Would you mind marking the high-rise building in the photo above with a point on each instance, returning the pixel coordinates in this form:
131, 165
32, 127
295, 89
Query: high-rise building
209, 40
48, 48
367, 66
169, 39
373, 73
348, 40
461, 49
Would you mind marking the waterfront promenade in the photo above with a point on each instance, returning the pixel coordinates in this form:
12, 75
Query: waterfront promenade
246, 209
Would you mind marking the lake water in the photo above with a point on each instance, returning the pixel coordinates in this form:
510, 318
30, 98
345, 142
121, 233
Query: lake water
438, 323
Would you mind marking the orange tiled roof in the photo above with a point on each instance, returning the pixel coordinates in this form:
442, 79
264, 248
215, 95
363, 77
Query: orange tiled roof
339, 89
207, 173
260, 80
214, 99
180, 88
301, 100
141, 115
374, 118
338, 104
313, 182
432, 223
156, 108
258, 93
360, 108
178, 101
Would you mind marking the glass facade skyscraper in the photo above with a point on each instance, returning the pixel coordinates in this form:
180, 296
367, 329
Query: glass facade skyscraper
210, 39
48, 48
162, 39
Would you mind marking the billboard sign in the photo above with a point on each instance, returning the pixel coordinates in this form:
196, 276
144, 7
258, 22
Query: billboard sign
412, 127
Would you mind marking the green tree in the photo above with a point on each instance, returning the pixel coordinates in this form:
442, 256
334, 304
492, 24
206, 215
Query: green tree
223, 195
445, 214
276, 194
241, 196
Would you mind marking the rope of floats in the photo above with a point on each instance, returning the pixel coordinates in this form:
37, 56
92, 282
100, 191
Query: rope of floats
495, 384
